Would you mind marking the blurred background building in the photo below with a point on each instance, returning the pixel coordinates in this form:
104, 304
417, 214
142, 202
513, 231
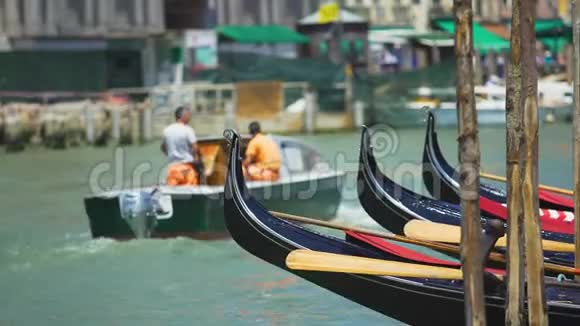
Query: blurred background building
419, 12
298, 64
401, 12
263, 12
93, 45
82, 45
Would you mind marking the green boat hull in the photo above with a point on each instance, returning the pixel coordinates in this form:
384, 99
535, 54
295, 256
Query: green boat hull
200, 215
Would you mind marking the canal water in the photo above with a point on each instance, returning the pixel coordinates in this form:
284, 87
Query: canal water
53, 273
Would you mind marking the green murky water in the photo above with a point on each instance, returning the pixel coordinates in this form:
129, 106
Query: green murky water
53, 273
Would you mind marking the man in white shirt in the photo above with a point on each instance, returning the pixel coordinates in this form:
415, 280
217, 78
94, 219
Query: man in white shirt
180, 147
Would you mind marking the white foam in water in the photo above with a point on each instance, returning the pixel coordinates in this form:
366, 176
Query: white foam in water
355, 215
88, 247
83, 235
20, 267
13, 251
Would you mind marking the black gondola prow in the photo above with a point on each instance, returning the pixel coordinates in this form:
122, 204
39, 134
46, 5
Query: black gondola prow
234, 165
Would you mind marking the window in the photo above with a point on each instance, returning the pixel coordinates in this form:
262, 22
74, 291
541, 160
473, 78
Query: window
2, 14
323, 49
69, 15
125, 13
359, 49
380, 12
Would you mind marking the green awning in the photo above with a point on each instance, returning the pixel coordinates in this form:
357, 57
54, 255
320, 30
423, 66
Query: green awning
553, 33
549, 25
323, 48
346, 46
359, 46
261, 34
484, 40
554, 44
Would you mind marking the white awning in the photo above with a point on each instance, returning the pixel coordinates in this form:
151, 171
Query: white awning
345, 18
436, 42
393, 36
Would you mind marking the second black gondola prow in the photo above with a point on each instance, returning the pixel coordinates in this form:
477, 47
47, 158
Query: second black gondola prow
392, 205
441, 179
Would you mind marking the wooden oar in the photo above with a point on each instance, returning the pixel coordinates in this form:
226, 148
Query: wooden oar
557, 190
493, 256
308, 260
429, 231
384, 235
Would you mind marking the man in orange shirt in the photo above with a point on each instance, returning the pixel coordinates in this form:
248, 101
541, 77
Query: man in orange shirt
263, 158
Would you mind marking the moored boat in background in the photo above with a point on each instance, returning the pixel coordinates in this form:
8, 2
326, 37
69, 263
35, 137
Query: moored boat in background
490, 101
441, 101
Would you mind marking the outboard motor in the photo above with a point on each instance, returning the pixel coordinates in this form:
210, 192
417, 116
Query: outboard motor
138, 209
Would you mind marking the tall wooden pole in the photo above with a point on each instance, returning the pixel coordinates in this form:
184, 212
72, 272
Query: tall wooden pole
537, 308
469, 165
515, 236
576, 61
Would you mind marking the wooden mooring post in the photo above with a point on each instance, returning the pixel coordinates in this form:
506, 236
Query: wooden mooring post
147, 124
89, 125
576, 83
230, 115
491, 63
310, 110
349, 93
537, 307
515, 236
469, 158
116, 125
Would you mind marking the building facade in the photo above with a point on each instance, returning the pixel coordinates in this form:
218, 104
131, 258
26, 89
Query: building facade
263, 12
401, 12
418, 13
82, 45
118, 43
500, 10
76, 18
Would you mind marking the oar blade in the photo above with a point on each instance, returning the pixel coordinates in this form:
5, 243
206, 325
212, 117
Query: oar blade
307, 260
430, 231
551, 245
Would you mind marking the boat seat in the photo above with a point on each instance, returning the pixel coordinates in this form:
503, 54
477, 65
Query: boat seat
284, 172
293, 161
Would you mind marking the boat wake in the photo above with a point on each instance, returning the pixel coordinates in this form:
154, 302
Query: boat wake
355, 215
87, 247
